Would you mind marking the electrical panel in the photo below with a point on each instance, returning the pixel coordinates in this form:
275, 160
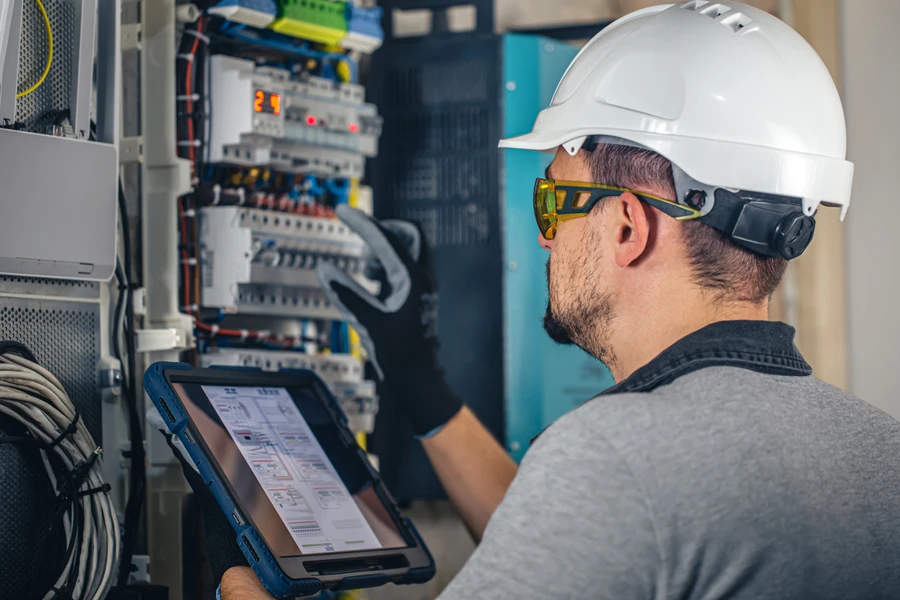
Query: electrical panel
282, 138
272, 133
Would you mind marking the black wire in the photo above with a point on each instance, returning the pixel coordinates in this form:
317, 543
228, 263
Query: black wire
129, 392
117, 313
55, 555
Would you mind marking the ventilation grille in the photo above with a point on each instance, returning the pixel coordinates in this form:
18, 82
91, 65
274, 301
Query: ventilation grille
441, 83
451, 130
451, 225
49, 287
450, 178
438, 163
64, 338
39, 109
734, 20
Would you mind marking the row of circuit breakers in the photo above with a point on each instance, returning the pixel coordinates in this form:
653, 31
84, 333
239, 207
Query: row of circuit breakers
259, 262
313, 126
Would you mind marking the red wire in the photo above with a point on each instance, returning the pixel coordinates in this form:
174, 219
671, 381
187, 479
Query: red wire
186, 284
287, 342
189, 90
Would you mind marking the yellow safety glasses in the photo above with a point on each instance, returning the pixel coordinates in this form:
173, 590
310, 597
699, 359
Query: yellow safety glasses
556, 201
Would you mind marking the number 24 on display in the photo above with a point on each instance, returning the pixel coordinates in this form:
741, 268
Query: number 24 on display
266, 102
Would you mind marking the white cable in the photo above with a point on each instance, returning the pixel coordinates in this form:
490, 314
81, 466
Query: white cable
35, 398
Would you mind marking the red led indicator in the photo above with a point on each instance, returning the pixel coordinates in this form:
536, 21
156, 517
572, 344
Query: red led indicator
353, 127
311, 120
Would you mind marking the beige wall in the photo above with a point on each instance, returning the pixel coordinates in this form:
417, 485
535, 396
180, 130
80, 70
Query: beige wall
871, 48
530, 14
524, 14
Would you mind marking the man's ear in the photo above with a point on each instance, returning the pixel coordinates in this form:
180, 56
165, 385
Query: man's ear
631, 224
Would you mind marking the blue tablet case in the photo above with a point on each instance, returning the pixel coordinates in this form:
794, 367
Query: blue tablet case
247, 538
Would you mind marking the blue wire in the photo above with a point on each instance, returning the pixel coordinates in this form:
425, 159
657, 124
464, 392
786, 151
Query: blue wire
340, 189
287, 44
339, 335
315, 189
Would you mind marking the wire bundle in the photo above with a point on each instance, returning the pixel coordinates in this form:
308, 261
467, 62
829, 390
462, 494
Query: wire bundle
84, 510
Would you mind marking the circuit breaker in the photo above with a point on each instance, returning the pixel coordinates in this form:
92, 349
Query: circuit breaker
263, 117
258, 261
341, 373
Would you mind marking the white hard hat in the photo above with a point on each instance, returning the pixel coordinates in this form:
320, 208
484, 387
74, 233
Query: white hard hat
730, 94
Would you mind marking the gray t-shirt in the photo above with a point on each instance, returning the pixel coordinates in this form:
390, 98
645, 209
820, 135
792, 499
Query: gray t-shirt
726, 483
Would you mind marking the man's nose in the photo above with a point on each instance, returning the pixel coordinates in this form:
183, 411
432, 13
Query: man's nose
545, 243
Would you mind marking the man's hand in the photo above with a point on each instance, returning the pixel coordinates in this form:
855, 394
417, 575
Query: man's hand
398, 328
241, 583
399, 332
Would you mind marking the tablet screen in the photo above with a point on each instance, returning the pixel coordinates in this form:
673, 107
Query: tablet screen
279, 448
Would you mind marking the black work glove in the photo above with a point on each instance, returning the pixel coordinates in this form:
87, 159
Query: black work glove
399, 327
222, 548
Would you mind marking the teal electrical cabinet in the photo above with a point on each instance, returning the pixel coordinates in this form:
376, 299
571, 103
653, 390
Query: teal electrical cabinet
542, 380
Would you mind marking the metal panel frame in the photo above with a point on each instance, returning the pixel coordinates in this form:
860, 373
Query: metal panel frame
82, 67
109, 71
50, 303
10, 39
164, 177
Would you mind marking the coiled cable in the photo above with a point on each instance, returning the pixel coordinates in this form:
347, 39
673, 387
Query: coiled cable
84, 510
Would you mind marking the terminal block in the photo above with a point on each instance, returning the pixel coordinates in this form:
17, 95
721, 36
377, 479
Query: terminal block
323, 21
342, 368
294, 158
342, 373
256, 13
359, 402
263, 262
263, 117
330, 22
364, 32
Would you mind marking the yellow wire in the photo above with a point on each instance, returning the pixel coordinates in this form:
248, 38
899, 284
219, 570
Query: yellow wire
49, 52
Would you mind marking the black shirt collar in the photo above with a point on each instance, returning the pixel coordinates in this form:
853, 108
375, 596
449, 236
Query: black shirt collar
761, 346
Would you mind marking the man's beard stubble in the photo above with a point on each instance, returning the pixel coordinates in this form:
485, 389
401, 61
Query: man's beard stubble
586, 326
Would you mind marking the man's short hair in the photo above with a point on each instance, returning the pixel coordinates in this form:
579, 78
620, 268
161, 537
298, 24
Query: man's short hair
719, 264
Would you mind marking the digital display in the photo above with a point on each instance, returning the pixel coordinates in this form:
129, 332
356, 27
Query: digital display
267, 102
281, 454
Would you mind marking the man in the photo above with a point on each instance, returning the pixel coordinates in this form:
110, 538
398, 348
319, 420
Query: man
693, 145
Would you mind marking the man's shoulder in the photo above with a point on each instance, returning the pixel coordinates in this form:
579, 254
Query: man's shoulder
601, 423
714, 409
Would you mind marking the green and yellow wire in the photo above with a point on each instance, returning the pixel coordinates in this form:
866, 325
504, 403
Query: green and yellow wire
49, 52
